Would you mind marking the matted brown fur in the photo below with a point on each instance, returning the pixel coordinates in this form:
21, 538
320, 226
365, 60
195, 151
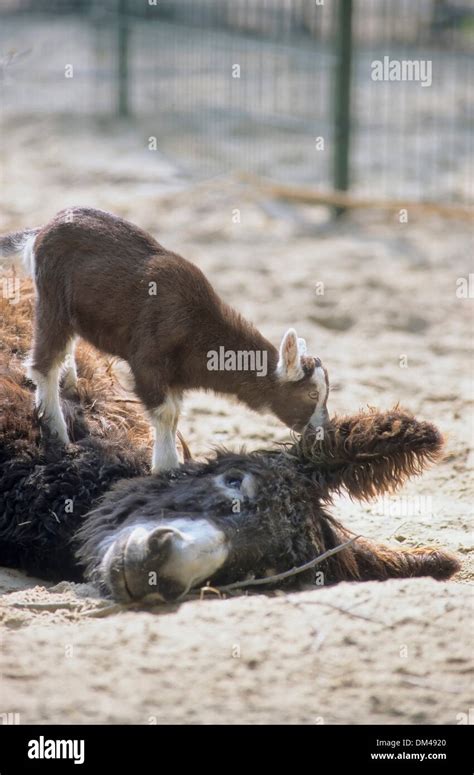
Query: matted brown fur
108, 406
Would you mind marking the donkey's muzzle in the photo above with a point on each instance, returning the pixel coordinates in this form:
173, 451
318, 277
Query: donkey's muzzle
164, 560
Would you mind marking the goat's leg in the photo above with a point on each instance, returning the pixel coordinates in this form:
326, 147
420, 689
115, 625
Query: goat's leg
164, 420
69, 373
44, 369
163, 408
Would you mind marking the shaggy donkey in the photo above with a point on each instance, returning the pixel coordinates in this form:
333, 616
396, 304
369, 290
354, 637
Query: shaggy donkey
106, 280
166, 534
233, 516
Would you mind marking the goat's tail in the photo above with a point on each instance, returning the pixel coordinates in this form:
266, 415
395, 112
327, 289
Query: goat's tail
20, 242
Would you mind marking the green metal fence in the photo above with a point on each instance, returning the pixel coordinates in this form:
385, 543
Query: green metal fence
282, 88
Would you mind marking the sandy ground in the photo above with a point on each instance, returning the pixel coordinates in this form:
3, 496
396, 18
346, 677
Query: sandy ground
390, 328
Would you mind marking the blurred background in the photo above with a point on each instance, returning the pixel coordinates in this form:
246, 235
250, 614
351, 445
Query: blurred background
249, 85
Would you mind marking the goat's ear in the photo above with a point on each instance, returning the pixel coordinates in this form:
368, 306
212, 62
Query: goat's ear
289, 363
302, 349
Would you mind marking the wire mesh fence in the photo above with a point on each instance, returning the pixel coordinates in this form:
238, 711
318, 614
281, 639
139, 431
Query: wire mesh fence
249, 84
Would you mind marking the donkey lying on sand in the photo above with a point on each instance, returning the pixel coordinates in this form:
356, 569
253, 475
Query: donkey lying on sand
106, 280
65, 515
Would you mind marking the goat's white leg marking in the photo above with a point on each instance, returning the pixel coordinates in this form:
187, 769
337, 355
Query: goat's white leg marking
69, 374
47, 400
164, 420
29, 260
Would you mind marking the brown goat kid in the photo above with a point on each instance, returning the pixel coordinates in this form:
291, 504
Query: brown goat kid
106, 280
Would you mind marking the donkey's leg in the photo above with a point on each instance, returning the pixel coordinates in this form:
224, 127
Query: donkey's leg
44, 369
378, 562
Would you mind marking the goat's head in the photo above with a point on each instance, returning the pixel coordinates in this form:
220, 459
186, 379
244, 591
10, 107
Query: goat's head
301, 387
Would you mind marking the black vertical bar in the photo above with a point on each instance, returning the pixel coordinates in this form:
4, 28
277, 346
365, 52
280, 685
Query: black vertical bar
122, 59
342, 96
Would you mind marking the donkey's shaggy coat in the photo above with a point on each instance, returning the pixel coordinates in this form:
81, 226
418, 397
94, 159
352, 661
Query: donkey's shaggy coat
222, 520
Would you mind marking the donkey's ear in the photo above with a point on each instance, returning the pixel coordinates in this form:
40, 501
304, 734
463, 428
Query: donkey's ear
289, 364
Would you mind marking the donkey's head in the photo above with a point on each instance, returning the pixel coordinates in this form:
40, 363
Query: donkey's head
221, 520
301, 386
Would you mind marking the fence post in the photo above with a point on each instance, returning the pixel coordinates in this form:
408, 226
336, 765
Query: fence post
342, 97
122, 58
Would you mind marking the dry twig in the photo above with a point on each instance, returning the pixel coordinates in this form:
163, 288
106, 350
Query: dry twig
286, 574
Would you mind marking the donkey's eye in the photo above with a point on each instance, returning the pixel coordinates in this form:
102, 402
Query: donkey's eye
233, 479
242, 482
